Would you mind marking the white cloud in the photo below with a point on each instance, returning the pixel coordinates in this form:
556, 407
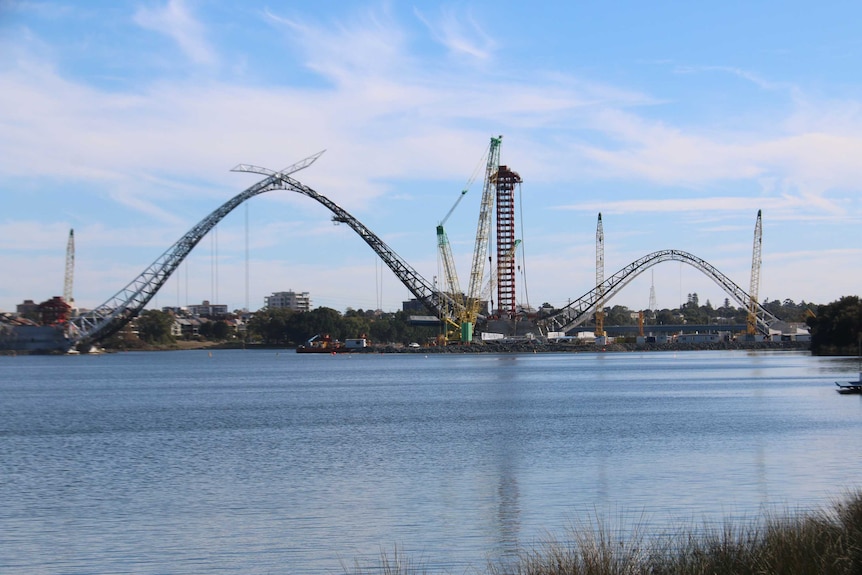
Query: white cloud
176, 21
460, 34
398, 123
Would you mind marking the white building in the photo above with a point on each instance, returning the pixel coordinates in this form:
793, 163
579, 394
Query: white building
208, 309
288, 300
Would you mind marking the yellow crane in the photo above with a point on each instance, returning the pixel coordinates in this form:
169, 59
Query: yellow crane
755, 277
450, 275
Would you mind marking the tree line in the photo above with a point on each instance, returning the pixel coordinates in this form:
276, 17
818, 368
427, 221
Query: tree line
836, 328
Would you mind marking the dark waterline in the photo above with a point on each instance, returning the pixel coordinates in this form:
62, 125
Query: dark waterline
270, 462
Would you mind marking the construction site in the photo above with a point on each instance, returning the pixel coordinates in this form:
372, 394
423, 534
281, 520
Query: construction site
486, 310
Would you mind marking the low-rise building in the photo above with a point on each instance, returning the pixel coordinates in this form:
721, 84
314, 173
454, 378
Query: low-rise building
207, 309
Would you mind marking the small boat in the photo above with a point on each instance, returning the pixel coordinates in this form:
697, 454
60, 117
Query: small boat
325, 344
851, 387
321, 344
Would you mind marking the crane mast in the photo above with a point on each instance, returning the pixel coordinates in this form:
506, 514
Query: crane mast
600, 278
755, 277
483, 230
70, 269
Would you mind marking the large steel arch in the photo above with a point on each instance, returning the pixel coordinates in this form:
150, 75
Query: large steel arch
445, 307
578, 311
126, 304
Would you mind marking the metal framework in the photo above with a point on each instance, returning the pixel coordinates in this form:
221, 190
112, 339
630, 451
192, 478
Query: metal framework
755, 276
578, 311
600, 278
70, 269
127, 303
438, 301
483, 230
506, 181
445, 250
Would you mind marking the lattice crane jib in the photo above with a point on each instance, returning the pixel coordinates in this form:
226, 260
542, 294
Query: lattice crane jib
755, 276
483, 231
600, 278
453, 285
70, 270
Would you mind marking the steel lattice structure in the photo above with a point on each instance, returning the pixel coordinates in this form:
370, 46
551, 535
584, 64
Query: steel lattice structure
127, 303
578, 311
506, 181
436, 300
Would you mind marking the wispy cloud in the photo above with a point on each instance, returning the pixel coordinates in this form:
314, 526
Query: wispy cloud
176, 21
747, 75
460, 34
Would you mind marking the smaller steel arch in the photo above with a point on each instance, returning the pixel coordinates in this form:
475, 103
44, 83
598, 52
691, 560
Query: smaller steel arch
578, 311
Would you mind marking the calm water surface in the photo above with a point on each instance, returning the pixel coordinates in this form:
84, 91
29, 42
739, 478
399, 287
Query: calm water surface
260, 462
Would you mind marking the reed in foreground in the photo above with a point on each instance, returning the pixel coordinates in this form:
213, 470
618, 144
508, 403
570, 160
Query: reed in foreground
827, 542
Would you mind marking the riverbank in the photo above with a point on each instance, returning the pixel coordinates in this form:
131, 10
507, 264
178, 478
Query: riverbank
536, 346
527, 346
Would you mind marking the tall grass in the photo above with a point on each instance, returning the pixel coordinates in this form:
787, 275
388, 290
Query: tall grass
824, 542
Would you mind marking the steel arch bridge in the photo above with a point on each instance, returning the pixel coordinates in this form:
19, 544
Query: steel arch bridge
580, 310
108, 318
126, 304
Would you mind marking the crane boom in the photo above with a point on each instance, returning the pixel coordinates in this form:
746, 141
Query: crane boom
755, 277
70, 269
449, 271
600, 278
483, 230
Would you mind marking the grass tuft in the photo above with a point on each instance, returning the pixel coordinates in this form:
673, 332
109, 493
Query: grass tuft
827, 542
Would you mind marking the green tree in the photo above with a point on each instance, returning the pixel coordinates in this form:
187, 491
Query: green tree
836, 329
154, 327
270, 326
221, 330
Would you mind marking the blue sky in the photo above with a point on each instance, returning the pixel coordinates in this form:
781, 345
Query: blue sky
676, 121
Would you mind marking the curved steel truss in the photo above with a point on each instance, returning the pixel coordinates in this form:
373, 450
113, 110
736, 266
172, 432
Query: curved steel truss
436, 300
127, 303
580, 310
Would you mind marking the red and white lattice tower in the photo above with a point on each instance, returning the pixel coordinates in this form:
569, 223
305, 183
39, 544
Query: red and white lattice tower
506, 182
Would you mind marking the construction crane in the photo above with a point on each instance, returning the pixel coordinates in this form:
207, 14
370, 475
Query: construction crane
483, 230
70, 269
755, 277
445, 249
600, 278
450, 276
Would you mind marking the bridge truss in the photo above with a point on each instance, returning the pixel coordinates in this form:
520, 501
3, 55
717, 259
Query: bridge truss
580, 310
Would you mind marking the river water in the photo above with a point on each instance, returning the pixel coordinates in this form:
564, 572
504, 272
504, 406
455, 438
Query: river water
266, 462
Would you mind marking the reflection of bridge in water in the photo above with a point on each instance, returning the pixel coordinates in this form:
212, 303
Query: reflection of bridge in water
127, 303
